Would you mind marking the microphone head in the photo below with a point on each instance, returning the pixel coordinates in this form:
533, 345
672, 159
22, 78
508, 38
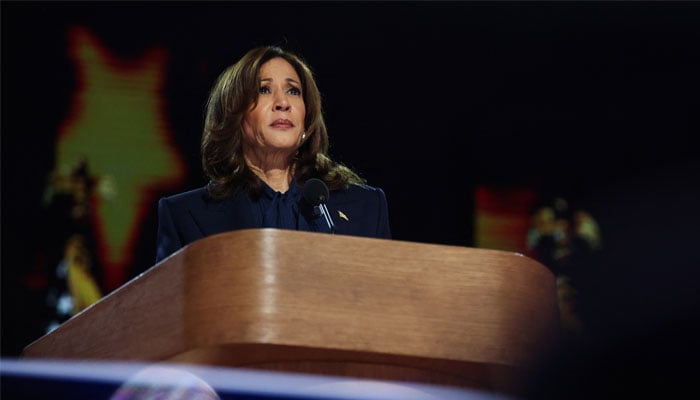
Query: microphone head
315, 191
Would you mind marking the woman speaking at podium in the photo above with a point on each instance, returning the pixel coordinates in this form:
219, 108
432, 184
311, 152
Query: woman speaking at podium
264, 150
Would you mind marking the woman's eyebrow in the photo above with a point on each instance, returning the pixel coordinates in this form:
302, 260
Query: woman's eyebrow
288, 80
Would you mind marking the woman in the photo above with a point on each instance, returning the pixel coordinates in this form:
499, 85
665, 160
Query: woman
264, 138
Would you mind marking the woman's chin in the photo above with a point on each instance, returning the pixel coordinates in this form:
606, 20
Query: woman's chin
282, 145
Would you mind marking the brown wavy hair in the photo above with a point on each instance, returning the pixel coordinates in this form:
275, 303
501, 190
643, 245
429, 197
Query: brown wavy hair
234, 92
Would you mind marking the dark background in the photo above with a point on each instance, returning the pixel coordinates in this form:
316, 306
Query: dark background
596, 102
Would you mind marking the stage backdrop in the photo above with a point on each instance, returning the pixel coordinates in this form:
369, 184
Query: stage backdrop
563, 131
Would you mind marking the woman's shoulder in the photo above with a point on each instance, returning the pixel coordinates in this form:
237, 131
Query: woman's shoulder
190, 196
201, 198
359, 192
363, 188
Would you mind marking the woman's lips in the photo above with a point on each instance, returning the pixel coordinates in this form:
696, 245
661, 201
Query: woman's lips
282, 124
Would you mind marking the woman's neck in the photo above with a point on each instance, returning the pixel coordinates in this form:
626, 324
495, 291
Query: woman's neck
276, 173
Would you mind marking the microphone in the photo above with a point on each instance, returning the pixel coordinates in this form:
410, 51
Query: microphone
316, 193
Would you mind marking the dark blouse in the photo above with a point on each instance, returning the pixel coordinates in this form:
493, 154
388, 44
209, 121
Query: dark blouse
279, 210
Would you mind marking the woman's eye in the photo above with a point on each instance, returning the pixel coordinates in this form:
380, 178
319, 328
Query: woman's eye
264, 90
295, 91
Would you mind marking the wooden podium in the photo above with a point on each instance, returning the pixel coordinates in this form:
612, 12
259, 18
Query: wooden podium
326, 304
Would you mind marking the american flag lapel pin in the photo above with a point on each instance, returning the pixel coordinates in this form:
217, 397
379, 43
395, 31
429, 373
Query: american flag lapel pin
343, 216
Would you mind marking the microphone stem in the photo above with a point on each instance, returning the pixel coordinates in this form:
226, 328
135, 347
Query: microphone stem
327, 216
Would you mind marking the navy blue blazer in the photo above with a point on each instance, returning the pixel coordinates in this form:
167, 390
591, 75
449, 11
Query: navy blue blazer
359, 210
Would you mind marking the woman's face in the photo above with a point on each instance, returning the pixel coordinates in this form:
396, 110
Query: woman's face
276, 122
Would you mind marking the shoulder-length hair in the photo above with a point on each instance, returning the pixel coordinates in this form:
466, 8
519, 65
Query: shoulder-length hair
234, 92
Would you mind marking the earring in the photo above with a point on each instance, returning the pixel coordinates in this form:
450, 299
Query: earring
303, 136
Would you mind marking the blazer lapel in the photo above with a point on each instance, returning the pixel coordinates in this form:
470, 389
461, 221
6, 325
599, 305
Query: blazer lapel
222, 216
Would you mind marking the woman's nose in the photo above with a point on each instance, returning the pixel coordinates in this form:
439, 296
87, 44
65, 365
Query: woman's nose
281, 103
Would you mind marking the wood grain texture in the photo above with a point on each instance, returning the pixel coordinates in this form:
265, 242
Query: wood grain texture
311, 302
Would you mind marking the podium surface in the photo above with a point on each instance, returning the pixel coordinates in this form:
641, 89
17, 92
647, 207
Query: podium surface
329, 304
